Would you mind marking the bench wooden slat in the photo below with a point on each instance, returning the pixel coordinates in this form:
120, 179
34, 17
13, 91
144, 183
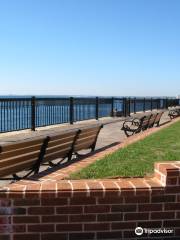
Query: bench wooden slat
55, 155
14, 168
58, 147
20, 145
90, 129
20, 158
85, 139
20, 151
61, 135
84, 135
60, 141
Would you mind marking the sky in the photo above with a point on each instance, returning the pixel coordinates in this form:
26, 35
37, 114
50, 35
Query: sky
90, 47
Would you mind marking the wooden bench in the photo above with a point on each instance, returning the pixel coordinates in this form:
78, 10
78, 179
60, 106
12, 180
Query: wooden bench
87, 138
152, 119
144, 124
29, 155
139, 122
158, 118
25, 155
135, 124
65, 145
60, 146
174, 112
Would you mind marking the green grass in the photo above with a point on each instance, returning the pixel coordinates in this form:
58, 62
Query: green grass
138, 158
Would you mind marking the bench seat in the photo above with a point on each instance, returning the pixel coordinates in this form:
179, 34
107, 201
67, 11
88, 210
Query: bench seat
28, 155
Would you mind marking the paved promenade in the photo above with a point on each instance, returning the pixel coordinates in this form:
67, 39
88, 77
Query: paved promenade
111, 132
110, 135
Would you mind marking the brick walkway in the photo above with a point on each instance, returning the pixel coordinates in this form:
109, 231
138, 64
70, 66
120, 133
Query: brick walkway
47, 207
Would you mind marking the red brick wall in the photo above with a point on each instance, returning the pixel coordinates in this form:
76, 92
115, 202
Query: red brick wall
92, 209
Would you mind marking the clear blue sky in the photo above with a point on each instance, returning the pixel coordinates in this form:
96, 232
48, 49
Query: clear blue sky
90, 47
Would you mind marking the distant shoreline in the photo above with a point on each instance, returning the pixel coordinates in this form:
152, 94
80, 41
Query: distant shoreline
83, 96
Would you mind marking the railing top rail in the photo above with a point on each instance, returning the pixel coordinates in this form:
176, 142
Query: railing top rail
76, 97
52, 98
14, 99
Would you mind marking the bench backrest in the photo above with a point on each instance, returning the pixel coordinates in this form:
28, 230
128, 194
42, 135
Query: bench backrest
20, 156
152, 119
60, 145
28, 154
87, 138
145, 121
158, 117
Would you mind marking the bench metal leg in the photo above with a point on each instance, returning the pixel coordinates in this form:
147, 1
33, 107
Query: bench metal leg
15, 176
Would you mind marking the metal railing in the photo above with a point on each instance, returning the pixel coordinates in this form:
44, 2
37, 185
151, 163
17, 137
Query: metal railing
30, 113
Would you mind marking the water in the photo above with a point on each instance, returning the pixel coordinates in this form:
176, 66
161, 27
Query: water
16, 113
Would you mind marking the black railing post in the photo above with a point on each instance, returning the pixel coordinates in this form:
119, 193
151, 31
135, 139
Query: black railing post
97, 108
163, 100
33, 113
124, 107
144, 105
177, 102
112, 107
134, 105
129, 109
166, 106
151, 104
160, 103
157, 103
71, 110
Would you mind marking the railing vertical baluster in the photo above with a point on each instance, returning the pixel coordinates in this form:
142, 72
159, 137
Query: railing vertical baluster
97, 108
33, 113
19, 115
71, 110
27, 113
134, 105
167, 103
5, 120
7, 125
151, 104
129, 109
112, 107
0, 116
23, 113
144, 105
4, 125
125, 107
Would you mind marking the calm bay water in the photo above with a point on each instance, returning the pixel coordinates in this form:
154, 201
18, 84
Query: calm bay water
15, 113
